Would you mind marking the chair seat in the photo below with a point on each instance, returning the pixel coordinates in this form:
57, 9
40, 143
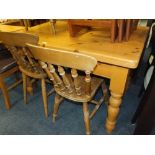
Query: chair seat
95, 83
32, 74
7, 64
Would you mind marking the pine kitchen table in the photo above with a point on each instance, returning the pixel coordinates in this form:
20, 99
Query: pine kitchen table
115, 60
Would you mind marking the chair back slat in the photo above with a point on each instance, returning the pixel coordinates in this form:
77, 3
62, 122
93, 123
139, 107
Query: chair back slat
17, 55
18, 39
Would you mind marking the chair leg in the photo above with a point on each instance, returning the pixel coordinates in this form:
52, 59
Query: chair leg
57, 102
17, 76
25, 87
5, 94
29, 86
86, 117
44, 95
105, 92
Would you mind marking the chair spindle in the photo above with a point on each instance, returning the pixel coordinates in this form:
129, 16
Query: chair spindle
35, 67
50, 75
76, 81
88, 83
65, 79
56, 77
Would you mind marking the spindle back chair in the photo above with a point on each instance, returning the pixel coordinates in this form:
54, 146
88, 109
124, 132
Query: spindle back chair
70, 85
16, 44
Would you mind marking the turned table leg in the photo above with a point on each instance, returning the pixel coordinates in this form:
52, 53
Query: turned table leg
113, 111
117, 87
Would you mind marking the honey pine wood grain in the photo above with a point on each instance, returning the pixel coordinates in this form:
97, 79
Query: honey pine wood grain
10, 28
96, 44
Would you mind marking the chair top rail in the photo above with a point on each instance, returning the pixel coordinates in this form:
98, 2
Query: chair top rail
64, 58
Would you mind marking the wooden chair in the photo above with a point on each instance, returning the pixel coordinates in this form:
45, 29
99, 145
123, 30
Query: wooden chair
71, 86
15, 42
8, 67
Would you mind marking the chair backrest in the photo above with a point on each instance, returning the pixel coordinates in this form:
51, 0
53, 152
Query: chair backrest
49, 57
18, 39
16, 44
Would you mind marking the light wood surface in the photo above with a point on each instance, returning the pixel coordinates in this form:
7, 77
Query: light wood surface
18, 39
96, 44
10, 28
115, 60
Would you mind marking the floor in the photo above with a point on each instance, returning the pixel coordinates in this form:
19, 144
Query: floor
29, 119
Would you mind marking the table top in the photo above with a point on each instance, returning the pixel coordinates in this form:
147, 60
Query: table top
94, 43
11, 28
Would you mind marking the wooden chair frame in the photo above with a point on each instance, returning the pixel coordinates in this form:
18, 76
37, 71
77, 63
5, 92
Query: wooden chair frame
4, 87
70, 86
16, 44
